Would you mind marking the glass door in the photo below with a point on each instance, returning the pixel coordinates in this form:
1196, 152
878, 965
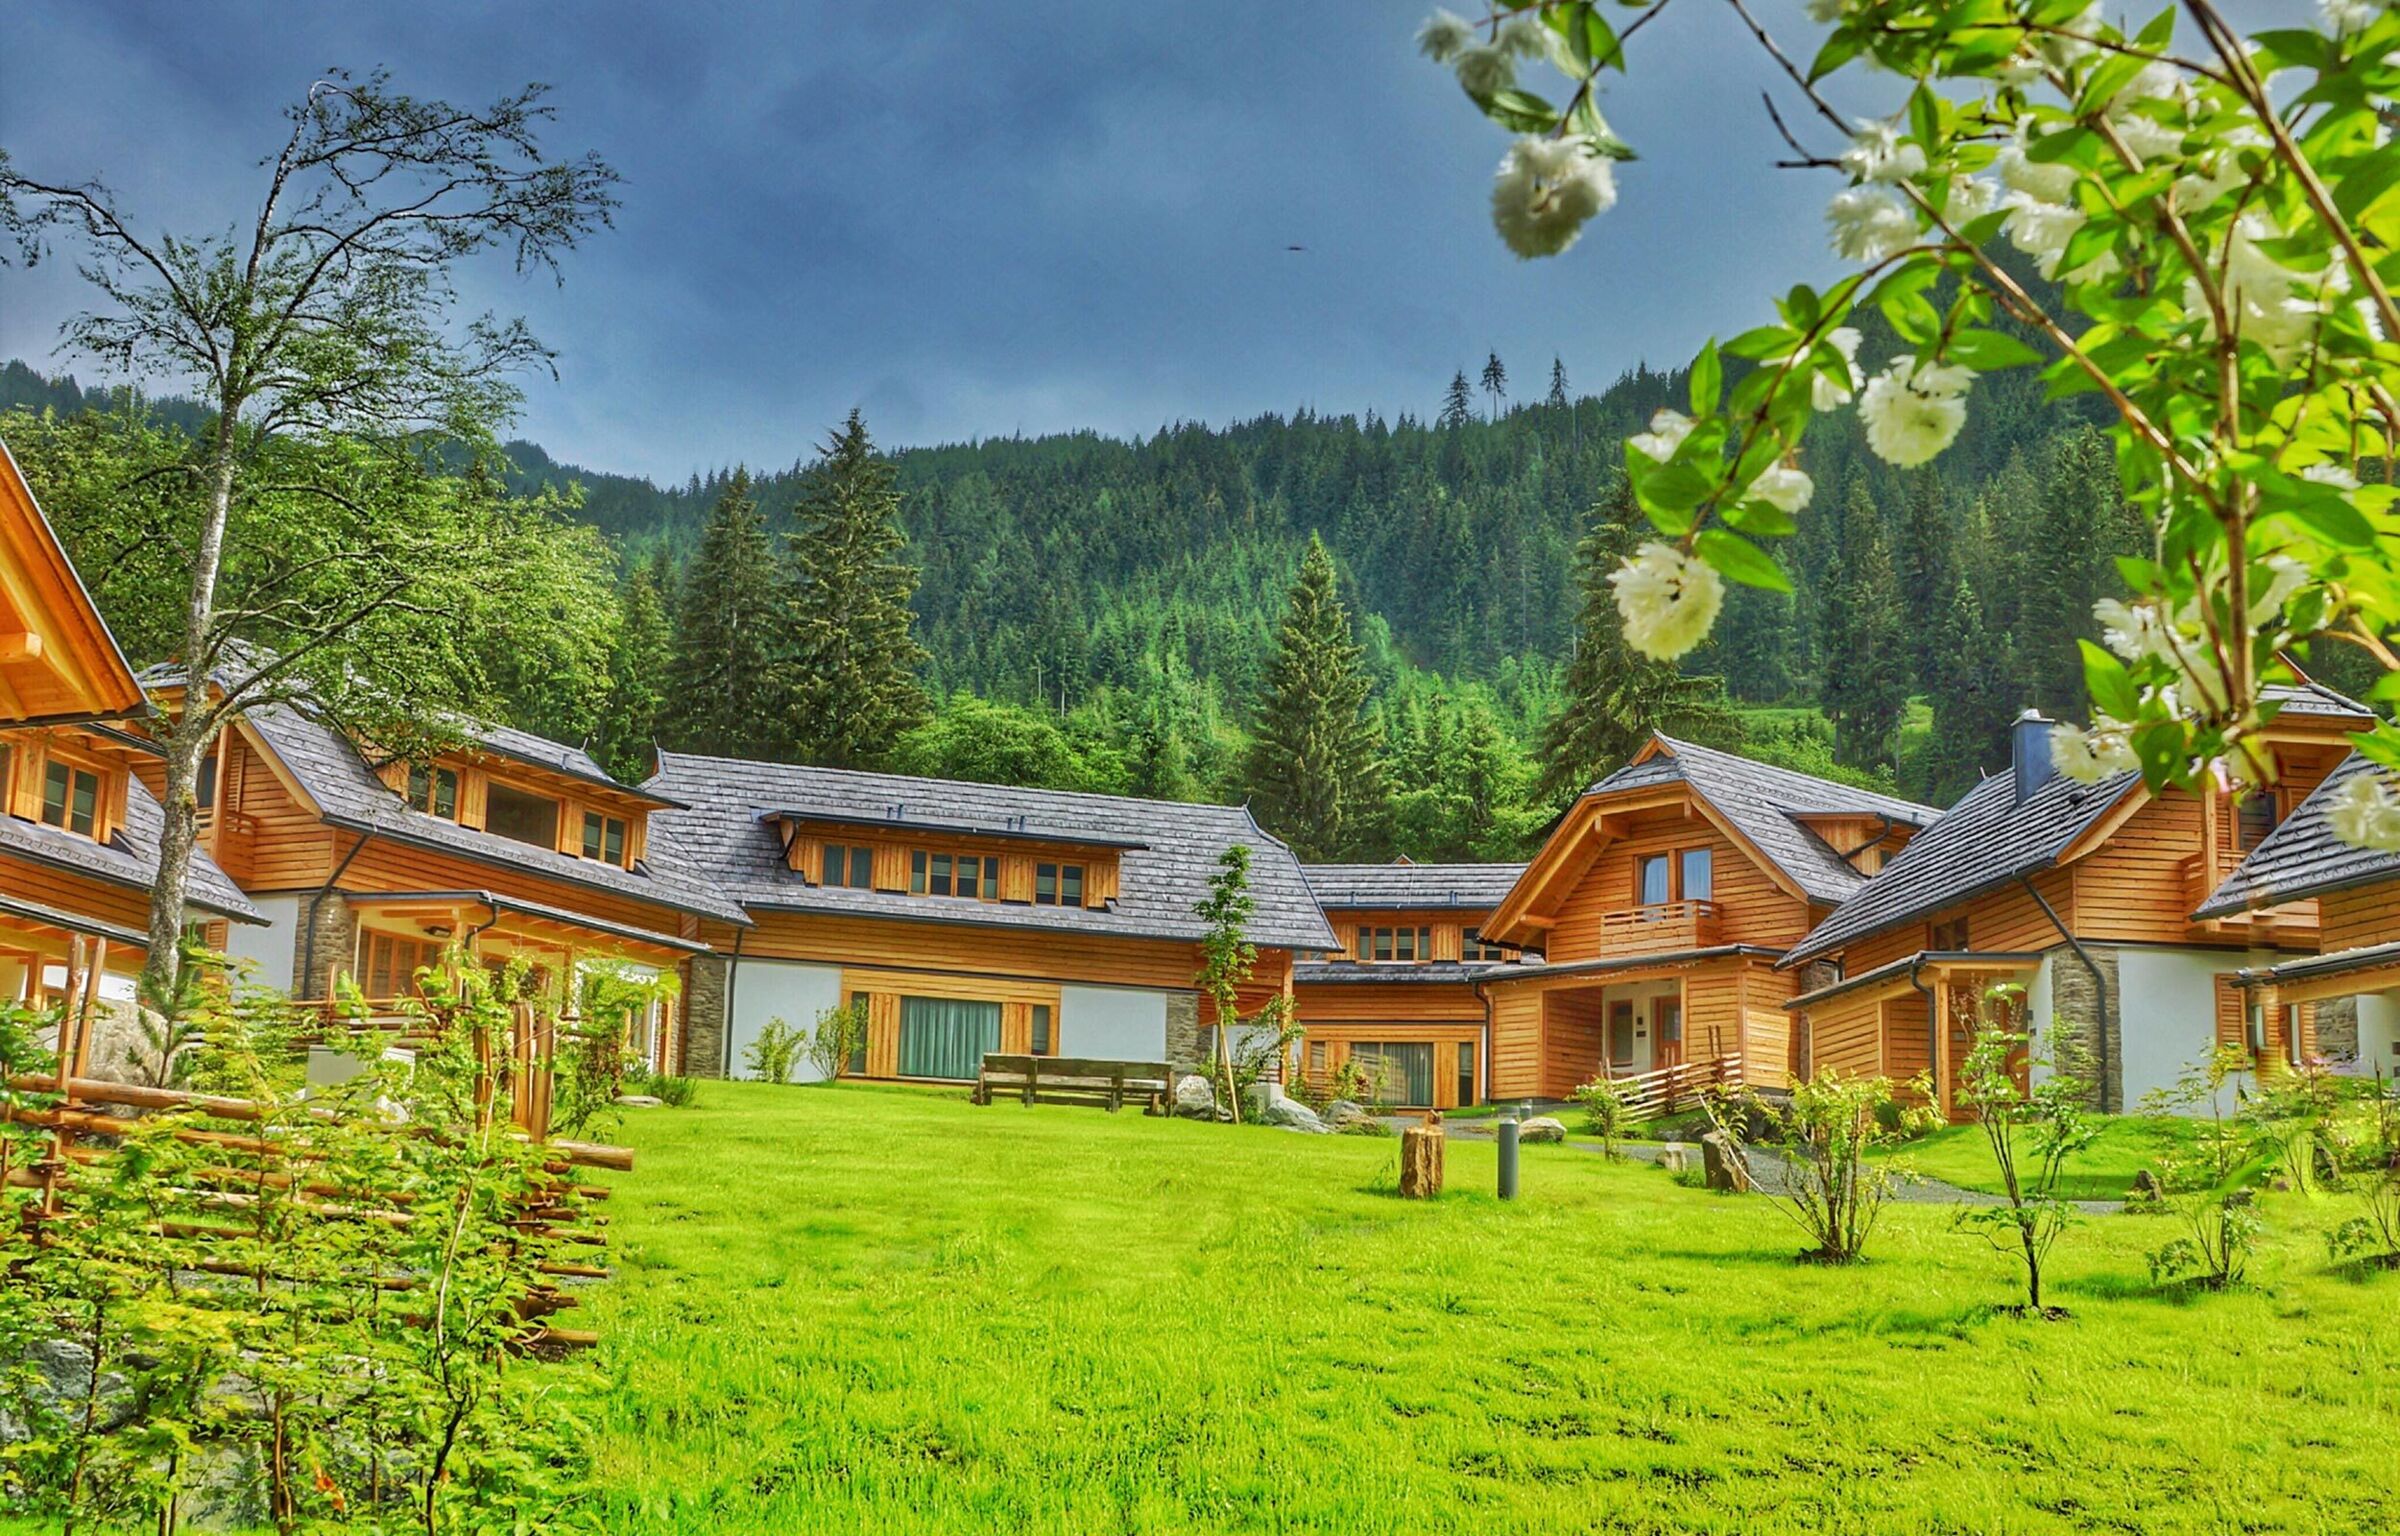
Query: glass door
946, 1037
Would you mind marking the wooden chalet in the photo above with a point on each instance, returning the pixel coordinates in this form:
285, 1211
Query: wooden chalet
2087, 896
79, 831
368, 868
966, 918
2340, 1005
1398, 989
1661, 903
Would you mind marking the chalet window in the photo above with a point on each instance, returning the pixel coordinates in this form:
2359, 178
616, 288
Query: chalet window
1655, 873
1950, 936
71, 798
1475, 947
1058, 885
848, 864
434, 791
1670, 1021
1041, 1029
604, 838
1466, 1072
1699, 875
521, 817
1397, 945
388, 966
205, 792
954, 874
2291, 1033
2255, 819
857, 1065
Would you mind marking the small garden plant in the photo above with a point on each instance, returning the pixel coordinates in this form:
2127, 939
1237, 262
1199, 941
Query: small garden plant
1829, 1183
1606, 1113
775, 1052
840, 1031
2205, 1186
2033, 1130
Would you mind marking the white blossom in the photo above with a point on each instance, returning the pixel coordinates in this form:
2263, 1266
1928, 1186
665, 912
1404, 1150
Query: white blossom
2090, 756
2344, 18
1878, 153
1485, 70
1444, 36
2271, 304
1826, 394
2067, 52
1668, 600
2022, 68
2340, 477
1546, 191
1970, 198
1667, 431
2365, 814
2131, 630
1913, 411
2285, 576
2041, 230
1869, 224
1524, 35
2049, 181
1784, 488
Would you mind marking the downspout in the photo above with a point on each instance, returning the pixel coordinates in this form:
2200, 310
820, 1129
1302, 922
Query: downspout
733, 975
308, 933
1485, 1062
2099, 981
1933, 1018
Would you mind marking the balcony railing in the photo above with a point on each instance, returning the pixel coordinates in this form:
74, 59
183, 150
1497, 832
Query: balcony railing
1661, 928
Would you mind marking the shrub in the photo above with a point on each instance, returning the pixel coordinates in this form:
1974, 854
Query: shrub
674, 1092
2031, 1132
2205, 1186
838, 1034
1605, 1111
1829, 1186
775, 1052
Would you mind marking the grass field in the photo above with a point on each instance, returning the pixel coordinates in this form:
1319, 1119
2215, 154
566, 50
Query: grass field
865, 1309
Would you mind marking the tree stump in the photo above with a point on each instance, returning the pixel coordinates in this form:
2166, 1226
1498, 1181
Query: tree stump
1421, 1160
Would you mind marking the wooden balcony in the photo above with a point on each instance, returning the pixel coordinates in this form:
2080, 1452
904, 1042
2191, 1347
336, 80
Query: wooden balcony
1662, 928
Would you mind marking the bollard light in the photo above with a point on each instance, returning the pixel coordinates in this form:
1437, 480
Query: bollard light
1508, 1154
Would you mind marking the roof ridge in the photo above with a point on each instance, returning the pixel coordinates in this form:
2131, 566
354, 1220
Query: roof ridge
939, 782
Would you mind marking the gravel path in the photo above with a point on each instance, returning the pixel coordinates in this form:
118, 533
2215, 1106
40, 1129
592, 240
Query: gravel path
1766, 1167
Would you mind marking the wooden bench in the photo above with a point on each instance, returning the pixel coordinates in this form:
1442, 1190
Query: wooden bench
1074, 1080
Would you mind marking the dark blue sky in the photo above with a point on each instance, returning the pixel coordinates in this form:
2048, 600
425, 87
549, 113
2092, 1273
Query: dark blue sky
971, 220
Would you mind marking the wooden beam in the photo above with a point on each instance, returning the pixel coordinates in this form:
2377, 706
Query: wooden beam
20, 645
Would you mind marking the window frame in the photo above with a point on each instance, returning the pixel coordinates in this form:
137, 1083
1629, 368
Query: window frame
595, 845
78, 775
496, 788
1055, 879
1664, 863
424, 786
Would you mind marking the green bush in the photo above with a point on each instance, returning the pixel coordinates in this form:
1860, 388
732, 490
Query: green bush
772, 1056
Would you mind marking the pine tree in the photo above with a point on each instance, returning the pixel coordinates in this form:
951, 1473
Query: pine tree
722, 680
637, 676
1925, 572
1866, 643
1972, 706
1314, 775
1558, 383
1495, 382
854, 666
1617, 697
1458, 403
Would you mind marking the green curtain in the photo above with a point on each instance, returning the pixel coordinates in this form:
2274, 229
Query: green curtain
1407, 1066
945, 1037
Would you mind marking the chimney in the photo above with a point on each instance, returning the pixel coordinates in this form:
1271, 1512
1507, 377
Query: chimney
2029, 753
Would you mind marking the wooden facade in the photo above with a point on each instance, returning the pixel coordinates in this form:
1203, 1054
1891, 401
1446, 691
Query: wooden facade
1398, 996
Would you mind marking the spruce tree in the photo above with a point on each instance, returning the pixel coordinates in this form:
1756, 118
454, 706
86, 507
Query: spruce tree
853, 666
1925, 567
1458, 403
1972, 702
1314, 772
1866, 643
1558, 383
1617, 697
722, 679
637, 676
1495, 382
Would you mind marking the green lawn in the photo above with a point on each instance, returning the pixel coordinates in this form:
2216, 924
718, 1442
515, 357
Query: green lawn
860, 1309
2127, 1144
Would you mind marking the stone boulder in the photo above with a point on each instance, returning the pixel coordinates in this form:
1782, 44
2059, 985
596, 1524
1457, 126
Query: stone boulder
1340, 1113
1675, 1157
1721, 1162
1541, 1128
640, 1101
1194, 1098
1291, 1115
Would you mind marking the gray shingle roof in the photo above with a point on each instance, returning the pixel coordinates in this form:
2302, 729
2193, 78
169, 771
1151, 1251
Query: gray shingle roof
2303, 858
1763, 802
1433, 973
1985, 841
1411, 885
128, 859
731, 844
350, 795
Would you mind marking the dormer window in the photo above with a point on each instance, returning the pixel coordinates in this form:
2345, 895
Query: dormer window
975, 876
1395, 946
1058, 885
604, 838
848, 864
434, 791
520, 816
71, 798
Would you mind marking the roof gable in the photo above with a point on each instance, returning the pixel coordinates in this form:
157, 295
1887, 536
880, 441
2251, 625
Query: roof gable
129, 858
2304, 857
57, 658
1167, 850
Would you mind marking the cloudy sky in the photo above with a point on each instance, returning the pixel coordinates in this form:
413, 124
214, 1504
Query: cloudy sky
970, 219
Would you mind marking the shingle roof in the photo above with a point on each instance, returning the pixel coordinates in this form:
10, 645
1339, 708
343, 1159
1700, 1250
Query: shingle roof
1762, 802
2313, 698
726, 835
350, 795
1984, 841
130, 858
1436, 973
1411, 885
542, 752
2303, 857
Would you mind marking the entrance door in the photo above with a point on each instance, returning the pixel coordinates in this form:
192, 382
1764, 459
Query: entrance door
946, 1037
1620, 1038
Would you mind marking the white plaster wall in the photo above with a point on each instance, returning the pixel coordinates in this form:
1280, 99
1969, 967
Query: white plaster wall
2378, 1034
1112, 1023
2037, 1017
2169, 1006
269, 949
778, 989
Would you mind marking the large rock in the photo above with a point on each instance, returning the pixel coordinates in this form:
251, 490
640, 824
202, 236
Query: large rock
1194, 1098
1542, 1128
1292, 1115
1341, 1112
1721, 1162
1674, 1157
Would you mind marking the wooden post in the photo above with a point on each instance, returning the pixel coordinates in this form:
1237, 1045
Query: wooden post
1116, 1092
1033, 1070
1421, 1150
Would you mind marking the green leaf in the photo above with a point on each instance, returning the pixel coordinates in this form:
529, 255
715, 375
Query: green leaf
1737, 559
1839, 50
1521, 110
2332, 519
1708, 382
2110, 685
1600, 41
1988, 351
